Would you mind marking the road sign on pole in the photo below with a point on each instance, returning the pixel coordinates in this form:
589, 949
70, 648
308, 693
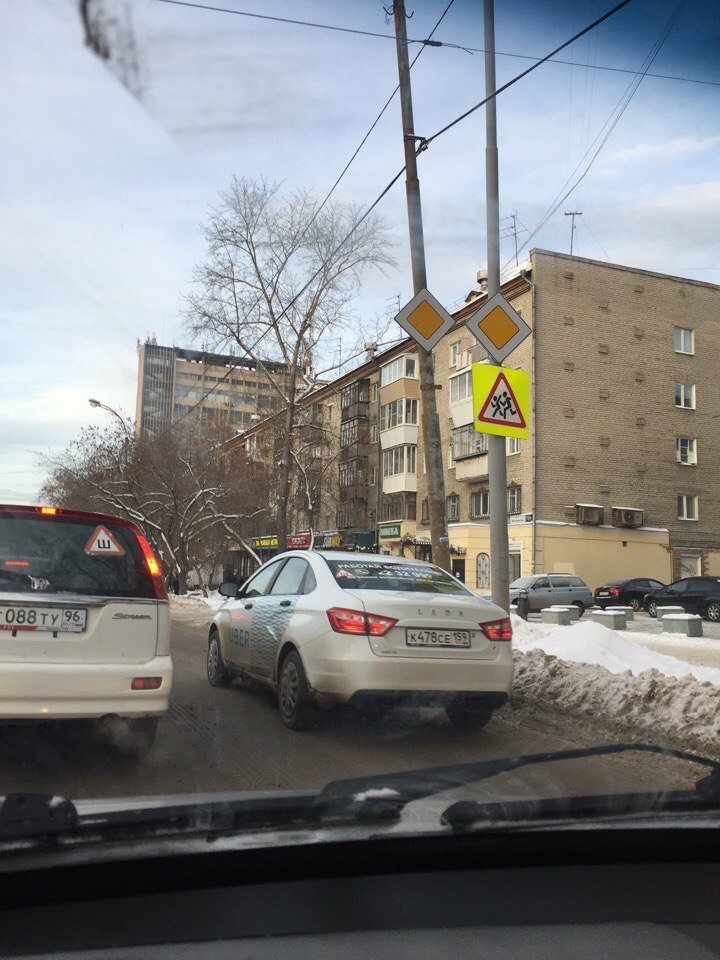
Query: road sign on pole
425, 319
498, 327
501, 400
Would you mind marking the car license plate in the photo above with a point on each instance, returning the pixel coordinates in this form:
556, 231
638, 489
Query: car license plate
55, 619
604, 593
415, 637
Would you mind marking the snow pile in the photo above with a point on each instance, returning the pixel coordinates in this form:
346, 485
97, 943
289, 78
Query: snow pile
589, 671
215, 600
592, 643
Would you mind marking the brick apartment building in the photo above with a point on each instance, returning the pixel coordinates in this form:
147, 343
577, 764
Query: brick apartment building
618, 476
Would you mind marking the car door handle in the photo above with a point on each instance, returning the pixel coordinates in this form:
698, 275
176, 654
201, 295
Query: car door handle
248, 606
285, 603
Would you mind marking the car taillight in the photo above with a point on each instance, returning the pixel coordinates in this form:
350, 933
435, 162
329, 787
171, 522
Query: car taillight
357, 623
497, 630
49, 511
146, 683
615, 590
154, 568
16, 563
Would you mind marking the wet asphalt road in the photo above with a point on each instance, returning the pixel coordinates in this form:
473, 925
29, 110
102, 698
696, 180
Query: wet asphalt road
233, 739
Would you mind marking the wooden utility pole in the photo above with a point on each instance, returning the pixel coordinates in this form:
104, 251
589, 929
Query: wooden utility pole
429, 420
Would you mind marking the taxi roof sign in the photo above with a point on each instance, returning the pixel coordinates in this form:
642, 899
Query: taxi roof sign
498, 327
501, 400
425, 319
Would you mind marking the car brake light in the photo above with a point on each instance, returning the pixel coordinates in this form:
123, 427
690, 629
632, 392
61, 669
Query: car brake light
497, 630
16, 563
146, 683
615, 590
359, 624
51, 511
154, 568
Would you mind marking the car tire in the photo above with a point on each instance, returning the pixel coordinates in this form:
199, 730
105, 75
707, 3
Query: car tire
298, 711
467, 716
712, 611
580, 605
217, 672
635, 604
652, 608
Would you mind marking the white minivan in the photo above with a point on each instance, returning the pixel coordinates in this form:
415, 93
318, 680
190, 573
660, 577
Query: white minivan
84, 622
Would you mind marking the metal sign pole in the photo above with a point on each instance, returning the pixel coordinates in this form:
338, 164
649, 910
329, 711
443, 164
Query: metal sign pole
497, 466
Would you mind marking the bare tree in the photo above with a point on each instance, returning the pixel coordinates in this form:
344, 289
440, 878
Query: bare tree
279, 278
180, 487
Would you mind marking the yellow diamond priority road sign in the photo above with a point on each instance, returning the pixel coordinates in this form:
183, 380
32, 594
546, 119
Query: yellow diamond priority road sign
501, 400
425, 319
498, 327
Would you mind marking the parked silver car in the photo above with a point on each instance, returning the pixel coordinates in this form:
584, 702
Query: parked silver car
547, 590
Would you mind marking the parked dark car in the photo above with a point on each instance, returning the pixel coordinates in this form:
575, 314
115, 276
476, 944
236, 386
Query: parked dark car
694, 594
629, 592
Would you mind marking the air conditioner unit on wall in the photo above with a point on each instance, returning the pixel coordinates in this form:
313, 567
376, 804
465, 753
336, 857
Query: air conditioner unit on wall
627, 517
590, 514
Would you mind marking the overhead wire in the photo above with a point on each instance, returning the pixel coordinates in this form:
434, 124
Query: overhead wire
611, 122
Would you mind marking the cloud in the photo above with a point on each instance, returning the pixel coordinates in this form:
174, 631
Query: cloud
662, 151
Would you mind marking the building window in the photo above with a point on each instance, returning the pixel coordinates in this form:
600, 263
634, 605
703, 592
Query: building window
480, 504
685, 395
425, 511
483, 571
373, 432
373, 476
513, 446
397, 369
514, 499
398, 506
461, 387
348, 473
687, 504
455, 353
375, 390
329, 412
467, 442
452, 507
398, 412
399, 460
686, 450
684, 340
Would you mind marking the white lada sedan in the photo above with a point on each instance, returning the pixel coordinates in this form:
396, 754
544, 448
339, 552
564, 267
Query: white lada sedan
326, 628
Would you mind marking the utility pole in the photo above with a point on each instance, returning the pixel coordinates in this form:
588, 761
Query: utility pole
430, 420
573, 214
497, 465
514, 220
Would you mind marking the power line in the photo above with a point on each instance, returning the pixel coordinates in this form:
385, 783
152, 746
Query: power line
613, 120
428, 41
427, 141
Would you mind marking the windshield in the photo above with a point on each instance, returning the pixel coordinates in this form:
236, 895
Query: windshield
395, 453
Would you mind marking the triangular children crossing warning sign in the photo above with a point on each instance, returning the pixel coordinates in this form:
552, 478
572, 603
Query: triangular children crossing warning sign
501, 407
103, 544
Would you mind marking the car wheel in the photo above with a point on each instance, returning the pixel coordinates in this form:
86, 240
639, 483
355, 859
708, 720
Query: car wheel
580, 605
217, 672
467, 716
297, 708
712, 611
652, 608
635, 604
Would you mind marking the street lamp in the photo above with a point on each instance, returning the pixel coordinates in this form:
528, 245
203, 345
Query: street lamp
102, 406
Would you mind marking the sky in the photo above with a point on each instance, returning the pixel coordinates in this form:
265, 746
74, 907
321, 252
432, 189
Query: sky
103, 193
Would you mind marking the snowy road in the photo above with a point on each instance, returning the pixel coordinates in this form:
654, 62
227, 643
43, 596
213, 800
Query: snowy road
216, 740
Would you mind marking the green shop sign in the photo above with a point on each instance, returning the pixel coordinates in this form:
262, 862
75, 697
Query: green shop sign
264, 543
390, 533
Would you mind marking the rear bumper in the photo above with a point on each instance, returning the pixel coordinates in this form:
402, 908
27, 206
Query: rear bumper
359, 671
44, 691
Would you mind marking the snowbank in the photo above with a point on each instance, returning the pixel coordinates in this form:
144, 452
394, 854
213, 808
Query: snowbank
590, 671
214, 601
592, 643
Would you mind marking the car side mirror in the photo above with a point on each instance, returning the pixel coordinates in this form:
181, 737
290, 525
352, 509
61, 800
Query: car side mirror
229, 589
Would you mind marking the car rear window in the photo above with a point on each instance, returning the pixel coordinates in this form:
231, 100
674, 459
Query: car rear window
41, 554
376, 575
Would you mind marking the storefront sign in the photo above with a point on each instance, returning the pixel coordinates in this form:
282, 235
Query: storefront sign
298, 541
391, 532
264, 543
327, 541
